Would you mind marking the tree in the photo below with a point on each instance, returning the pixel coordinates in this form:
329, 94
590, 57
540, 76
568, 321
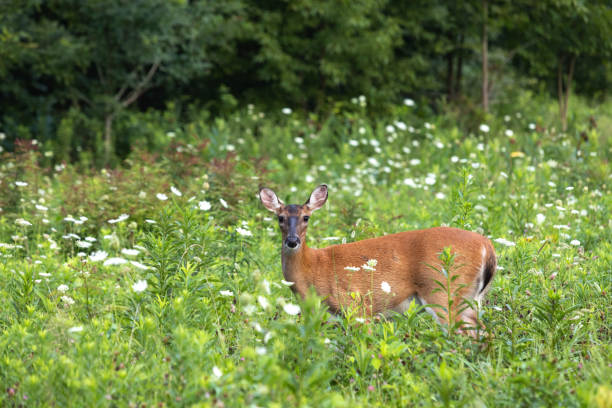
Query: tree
561, 33
129, 45
102, 56
311, 50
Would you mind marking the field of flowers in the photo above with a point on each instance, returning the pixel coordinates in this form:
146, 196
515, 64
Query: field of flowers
159, 283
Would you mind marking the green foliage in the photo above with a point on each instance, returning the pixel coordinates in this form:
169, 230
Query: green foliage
85, 77
159, 282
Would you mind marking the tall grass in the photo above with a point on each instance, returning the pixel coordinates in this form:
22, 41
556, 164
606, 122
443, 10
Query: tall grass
159, 284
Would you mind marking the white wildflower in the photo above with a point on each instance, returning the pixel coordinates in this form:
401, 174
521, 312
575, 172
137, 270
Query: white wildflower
561, 226
98, 256
385, 287
370, 265
291, 309
410, 182
484, 128
122, 217
115, 261
352, 268
227, 293
140, 286
223, 203
216, 372
409, 102
21, 183
67, 300
83, 244
263, 302
286, 111
540, 218
175, 191
63, 288
509, 132
75, 329
41, 207
130, 252
575, 242
244, 232
400, 125
505, 242
161, 196
139, 265
22, 223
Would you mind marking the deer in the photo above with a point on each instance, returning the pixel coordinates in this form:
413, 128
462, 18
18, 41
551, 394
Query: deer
394, 270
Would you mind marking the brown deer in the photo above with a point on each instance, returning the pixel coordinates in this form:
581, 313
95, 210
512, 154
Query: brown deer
385, 273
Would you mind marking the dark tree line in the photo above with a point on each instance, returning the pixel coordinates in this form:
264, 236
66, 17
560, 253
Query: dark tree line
70, 66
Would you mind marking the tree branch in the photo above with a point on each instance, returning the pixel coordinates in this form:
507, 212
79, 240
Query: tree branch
140, 88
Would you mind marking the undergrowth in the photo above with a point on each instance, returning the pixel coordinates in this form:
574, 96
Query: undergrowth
159, 283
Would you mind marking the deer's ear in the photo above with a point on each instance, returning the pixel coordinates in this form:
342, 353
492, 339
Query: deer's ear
270, 200
317, 198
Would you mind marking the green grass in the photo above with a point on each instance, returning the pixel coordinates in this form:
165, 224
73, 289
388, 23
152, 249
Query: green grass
211, 329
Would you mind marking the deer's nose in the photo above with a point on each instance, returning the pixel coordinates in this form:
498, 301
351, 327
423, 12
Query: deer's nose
292, 242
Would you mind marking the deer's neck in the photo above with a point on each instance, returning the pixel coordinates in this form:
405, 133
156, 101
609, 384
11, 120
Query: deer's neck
297, 267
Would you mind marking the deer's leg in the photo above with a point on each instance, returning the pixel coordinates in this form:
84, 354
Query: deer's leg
470, 324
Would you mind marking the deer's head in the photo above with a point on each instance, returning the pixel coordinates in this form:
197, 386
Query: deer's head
293, 218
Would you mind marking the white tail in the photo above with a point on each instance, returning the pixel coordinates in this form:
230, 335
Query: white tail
386, 272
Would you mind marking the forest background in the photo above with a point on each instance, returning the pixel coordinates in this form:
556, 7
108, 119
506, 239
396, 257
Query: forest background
87, 79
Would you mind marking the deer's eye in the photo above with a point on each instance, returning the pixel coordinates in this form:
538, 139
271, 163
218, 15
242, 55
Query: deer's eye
281, 219
306, 218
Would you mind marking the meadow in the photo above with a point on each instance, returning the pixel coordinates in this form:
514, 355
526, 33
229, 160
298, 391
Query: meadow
158, 283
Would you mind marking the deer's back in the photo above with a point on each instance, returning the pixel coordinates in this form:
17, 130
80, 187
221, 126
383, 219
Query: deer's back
404, 260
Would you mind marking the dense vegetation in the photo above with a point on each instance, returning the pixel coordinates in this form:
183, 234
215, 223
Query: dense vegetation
138, 268
84, 77
159, 283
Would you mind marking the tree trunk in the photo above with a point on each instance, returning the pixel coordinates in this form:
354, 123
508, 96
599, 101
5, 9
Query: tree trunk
564, 87
485, 59
450, 89
108, 137
459, 72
